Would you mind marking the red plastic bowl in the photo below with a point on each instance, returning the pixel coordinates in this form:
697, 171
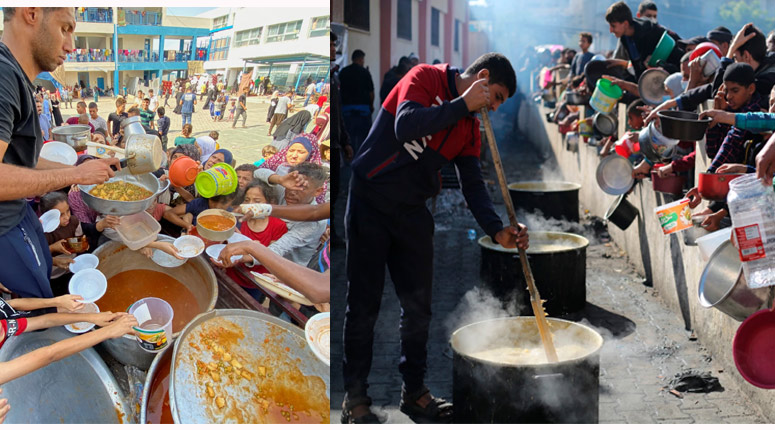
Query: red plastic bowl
715, 186
753, 349
704, 47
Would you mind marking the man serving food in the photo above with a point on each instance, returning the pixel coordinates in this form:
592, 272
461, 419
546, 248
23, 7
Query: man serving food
426, 121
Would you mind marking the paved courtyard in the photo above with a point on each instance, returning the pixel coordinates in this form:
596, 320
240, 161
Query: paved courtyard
244, 143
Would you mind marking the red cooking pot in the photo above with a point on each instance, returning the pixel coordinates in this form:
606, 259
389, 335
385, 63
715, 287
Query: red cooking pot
753, 346
671, 184
715, 186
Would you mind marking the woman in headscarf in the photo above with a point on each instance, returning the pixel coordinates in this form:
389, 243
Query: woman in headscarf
303, 148
206, 146
219, 156
290, 128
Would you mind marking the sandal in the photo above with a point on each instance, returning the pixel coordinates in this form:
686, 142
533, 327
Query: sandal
437, 411
349, 404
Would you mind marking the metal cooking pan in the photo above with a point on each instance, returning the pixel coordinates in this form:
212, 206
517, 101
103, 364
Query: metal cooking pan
268, 341
73, 135
614, 175
651, 86
115, 207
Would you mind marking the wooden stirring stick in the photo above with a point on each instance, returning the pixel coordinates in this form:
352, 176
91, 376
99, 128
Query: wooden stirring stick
535, 298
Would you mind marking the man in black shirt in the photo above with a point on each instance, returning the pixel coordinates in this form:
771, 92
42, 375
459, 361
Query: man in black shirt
115, 118
357, 92
392, 77
34, 40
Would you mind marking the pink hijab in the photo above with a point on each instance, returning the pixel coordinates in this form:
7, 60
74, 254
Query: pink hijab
310, 142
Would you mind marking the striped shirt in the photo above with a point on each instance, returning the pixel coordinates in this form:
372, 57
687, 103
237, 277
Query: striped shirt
146, 117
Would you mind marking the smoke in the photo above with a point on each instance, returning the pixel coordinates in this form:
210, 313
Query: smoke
480, 304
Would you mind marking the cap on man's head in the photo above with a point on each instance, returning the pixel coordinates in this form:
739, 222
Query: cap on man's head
740, 73
720, 34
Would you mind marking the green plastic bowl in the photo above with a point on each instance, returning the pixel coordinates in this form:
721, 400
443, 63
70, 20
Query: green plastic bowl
663, 49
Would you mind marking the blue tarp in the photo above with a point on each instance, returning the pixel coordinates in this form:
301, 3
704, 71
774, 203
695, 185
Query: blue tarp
47, 76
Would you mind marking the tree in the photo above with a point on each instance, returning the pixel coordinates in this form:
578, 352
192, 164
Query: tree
736, 13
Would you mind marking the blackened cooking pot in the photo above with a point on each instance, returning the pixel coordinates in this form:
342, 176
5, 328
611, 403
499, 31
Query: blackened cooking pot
682, 125
559, 200
488, 389
621, 212
559, 263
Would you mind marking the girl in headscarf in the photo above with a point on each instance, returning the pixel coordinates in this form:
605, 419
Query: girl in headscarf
206, 146
303, 148
219, 156
272, 106
186, 193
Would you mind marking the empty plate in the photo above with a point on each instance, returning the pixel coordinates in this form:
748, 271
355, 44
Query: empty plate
614, 175
90, 284
59, 152
50, 220
189, 246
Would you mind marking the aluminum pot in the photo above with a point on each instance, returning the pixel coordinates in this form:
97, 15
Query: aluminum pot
144, 153
196, 274
486, 391
132, 125
572, 141
564, 290
683, 125
651, 86
575, 99
558, 200
696, 231
654, 145
605, 124
161, 359
621, 212
723, 285
73, 135
115, 207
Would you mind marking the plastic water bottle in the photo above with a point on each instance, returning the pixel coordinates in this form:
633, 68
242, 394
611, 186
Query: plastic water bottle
471, 234
753, 225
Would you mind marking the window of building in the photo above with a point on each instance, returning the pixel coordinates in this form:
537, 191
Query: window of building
247, 37
284, 31
434, 26
457, 35
404, 20
319, 26
219, 50
220, 22
356, 14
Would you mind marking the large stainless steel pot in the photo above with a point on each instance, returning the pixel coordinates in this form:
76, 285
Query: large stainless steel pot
268, 341
73, 135
196, 274
114, 207
75, 390
156, 366
487, 391
559, 267
723, 285
558, 200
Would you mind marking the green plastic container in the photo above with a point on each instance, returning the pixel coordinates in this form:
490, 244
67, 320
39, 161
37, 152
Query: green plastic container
605, 96
216, 181
662, 50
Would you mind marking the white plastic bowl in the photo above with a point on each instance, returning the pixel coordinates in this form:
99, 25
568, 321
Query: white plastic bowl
189, 246
83, 327
84, 261
166, 260
237, 237
50, 220
59, 152
214, 251
711, 241
317, 331
90, 284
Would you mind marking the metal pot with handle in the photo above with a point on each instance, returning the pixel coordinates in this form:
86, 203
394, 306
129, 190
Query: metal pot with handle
143, 153
76, 136
115, 207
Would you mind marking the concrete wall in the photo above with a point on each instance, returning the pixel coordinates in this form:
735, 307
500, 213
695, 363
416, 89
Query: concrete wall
368, 42
403, 47
672, 267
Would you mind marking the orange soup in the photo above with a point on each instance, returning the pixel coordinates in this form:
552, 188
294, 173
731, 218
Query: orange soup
128, 287
158, 408
215, 222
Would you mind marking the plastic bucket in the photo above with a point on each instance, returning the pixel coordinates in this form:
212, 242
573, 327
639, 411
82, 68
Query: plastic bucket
154, 317
662, 50
605, 97
752, 349
674, 217
218, 180
183, 171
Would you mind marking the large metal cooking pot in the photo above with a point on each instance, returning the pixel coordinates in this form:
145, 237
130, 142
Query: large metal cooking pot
559, 200
723, 285
196, 274
683, 125
269, 342
73, 135
75, 390
621, 212
487, 391
161, 359
115, 207
559, 267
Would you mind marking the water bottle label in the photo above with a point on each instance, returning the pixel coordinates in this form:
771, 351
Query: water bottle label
750, 243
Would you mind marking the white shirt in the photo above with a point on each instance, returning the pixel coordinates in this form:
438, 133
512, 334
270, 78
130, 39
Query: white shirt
152, 105
310, 88
98, 123
312, 108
